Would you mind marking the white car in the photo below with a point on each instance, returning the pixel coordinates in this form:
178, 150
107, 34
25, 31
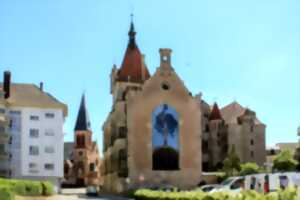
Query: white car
92, 190
208, 188
232, 184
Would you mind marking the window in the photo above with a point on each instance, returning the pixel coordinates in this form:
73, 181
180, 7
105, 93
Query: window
33, 150
34, 133
15, 122
2, 148
34, 117
49, 166
49, 149
33, 168
32, 165
49, 132
122, 163
2, 129
80, 141
251, 129
92, 167
15, 112
252, 142
49, 115
206, 128
122, 132
80, 153
2, 110
165, 154
252, 154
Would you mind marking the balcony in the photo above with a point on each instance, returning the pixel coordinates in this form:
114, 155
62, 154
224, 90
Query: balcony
4, 173
4, 155
4, 137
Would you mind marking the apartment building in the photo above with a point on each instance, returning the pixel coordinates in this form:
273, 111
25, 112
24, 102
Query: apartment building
36, 132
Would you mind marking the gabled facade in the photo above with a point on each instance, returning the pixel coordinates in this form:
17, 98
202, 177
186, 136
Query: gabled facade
153, 128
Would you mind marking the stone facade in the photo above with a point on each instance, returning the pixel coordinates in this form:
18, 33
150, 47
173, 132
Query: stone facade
157, 133
236, 126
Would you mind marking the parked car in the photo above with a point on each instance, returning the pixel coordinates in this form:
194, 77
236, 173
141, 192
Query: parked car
92, 190
233, 184
208, 188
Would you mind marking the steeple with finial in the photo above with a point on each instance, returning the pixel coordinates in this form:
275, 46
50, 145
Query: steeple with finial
131, 34
133, 68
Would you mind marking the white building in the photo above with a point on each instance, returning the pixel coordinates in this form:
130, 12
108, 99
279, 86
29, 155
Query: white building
36, 128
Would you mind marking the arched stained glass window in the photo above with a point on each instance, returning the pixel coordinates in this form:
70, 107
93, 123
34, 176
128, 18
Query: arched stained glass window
165, 138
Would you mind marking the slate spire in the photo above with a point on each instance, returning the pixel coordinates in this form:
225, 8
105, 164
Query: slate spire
83, 120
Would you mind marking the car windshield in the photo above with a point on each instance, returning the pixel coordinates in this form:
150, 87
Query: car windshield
227, 181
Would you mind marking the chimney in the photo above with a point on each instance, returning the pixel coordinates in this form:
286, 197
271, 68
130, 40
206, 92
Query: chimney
6, 84
42, 86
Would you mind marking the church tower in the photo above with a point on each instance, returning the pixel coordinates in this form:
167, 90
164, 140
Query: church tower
83, 133
82, 142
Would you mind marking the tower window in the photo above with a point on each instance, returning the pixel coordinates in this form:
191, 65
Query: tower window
252, 142
92, 167
80, 141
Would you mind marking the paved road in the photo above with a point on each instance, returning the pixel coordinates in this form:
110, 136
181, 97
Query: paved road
79, 194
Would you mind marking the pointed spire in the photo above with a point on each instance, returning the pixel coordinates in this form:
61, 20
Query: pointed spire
215, 113
131, 34
83, 121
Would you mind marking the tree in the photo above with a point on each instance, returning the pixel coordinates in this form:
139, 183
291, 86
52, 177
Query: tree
249, 168
297, 157
231, 164
284, 161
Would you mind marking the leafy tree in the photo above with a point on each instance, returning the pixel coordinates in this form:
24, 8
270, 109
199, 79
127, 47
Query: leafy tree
249, 168
285, 161
231, 164
297, 157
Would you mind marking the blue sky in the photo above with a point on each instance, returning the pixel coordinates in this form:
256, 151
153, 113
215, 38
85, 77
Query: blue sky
247, 51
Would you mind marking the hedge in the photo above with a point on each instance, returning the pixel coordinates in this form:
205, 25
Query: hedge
10, 187
145, 194
6, 193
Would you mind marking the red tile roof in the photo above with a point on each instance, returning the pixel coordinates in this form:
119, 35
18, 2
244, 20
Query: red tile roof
133, 69
215, 113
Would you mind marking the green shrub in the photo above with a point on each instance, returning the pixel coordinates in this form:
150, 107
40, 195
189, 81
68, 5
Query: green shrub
48, 189
27, 188
6, 193
288, 194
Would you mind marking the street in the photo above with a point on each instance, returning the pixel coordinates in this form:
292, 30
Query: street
79, 194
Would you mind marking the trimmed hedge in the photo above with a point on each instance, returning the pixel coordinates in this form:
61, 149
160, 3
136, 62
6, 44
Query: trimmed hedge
48, 189
10, 187
145, 194
6, 193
